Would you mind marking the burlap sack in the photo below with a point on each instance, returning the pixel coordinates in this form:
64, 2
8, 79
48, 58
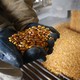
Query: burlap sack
75, 20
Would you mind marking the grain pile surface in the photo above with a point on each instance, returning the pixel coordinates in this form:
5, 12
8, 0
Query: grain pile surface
65, 58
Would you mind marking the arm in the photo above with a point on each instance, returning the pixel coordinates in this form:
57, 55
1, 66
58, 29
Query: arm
18, 12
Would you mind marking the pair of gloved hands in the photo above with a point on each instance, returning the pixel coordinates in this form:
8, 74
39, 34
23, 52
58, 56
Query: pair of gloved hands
20, 13
10, 54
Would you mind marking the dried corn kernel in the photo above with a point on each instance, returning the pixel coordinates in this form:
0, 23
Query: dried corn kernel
34, 36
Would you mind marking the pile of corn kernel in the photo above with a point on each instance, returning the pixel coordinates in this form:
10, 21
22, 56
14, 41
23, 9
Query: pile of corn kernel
34, 36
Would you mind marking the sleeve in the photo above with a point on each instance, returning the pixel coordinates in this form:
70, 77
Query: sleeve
18, 12
29, 2
3, 23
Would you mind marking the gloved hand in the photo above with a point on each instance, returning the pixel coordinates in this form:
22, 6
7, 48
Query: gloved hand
9, 52
38, 52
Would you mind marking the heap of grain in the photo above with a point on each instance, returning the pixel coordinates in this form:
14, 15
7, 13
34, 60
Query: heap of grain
65, 58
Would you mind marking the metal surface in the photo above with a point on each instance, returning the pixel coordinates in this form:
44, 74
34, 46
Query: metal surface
35, 71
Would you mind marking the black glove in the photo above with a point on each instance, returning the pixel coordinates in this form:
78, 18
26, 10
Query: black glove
8, 52
39, 53
33, 54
